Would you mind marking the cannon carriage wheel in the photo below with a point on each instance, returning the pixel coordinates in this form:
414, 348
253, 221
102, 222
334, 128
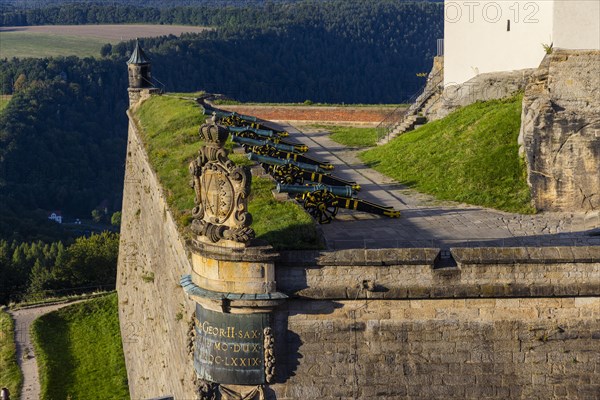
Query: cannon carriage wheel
321, 205
264, 151
289, 174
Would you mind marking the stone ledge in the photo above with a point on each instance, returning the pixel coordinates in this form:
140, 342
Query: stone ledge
257, 251
368, 257
526, 255
195, 291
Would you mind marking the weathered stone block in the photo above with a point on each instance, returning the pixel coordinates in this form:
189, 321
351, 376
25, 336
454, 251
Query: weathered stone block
559, 131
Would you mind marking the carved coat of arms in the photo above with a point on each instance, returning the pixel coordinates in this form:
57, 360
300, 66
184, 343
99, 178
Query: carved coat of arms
222, 190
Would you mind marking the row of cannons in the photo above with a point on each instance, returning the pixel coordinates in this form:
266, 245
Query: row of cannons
232, 335
310, 180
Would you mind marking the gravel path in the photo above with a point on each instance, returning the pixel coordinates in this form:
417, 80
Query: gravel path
427, 222
26, 359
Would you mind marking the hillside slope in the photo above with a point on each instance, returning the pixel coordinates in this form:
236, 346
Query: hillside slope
80, 353
470, 156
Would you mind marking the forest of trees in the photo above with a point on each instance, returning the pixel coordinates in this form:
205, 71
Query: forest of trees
329, 51
63, 134
62, 141
35, 270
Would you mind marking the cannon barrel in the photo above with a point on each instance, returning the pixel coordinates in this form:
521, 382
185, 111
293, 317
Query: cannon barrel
279, 146
278, 161
342, 191
259, 132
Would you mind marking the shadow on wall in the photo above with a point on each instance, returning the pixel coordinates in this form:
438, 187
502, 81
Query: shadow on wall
288, 343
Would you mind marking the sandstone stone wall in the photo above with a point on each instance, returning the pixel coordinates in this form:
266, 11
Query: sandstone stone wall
153, 310
560, 131
521, 323
521, 348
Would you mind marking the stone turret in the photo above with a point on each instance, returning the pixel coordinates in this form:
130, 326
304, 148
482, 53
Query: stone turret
140, 77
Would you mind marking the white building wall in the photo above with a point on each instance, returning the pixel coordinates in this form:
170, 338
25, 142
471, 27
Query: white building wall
577, 24
476, 39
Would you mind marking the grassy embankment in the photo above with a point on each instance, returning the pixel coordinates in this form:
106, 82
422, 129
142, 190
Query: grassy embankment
169, 127
351, 136
470, 156
10, 374
79, 352
29, 44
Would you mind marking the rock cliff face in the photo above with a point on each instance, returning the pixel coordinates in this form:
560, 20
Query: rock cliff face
483, 87
560, 131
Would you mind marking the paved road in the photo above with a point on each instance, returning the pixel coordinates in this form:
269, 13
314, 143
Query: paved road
427, 222
27, 362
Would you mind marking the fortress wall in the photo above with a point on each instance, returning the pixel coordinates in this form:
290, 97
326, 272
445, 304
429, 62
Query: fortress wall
373, 324
506, 323
522, 348
153, 309
411, 273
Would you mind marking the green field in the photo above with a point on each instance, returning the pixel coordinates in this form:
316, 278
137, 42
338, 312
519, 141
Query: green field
169, 127
79, 352
10, 374
470, 156
29, 44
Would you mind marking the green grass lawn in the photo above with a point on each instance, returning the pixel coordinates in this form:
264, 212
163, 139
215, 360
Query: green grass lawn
79, 352
351, 136
30, 44
470, 156
10, 374
169, 127
4, 99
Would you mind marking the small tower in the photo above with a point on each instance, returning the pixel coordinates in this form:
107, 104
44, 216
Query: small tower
140, 77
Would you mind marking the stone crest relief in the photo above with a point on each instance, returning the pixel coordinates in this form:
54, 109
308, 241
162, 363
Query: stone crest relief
222, 190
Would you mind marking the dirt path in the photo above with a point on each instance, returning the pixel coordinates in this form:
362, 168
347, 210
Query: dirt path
26, 359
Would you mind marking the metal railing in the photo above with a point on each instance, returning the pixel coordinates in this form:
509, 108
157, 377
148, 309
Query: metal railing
155, 83
417, 100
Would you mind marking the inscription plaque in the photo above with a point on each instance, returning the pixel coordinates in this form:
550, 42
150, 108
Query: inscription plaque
229, 348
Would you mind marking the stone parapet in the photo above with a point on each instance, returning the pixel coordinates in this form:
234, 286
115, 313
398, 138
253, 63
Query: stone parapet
416, 274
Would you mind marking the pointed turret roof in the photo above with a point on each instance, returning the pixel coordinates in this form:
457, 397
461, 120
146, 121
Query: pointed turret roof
138, 56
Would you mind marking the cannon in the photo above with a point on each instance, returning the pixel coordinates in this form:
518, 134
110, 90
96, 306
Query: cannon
268, 133
277, 150
237, 137
239, 120
289, 172
273, 161
322, 202
262, 143
261, 134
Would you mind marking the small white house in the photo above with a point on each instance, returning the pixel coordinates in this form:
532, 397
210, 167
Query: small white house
55, 216
506, 35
